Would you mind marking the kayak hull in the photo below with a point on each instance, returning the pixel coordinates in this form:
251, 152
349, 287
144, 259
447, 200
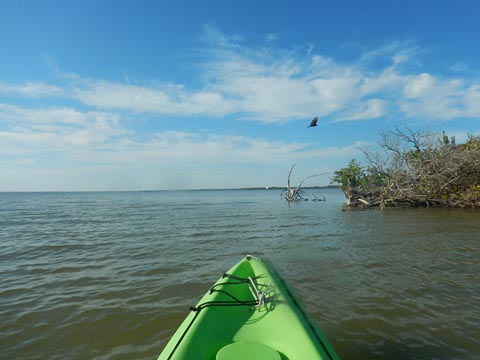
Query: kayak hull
250, 310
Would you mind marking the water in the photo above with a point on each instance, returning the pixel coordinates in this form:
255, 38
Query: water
111, 275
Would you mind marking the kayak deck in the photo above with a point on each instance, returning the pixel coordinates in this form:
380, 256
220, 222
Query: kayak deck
249, 313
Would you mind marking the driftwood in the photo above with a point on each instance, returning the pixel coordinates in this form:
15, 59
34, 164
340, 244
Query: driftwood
295, 193
318, 199
367, 200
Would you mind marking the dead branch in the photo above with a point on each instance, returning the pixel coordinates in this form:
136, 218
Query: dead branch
295, 193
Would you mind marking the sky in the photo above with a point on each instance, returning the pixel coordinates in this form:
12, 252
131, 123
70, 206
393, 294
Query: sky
163, 95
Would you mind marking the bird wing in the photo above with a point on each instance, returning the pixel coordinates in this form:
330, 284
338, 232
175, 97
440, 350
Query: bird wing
313, 122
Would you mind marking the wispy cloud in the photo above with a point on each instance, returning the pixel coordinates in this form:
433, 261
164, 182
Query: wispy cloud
31, 89
100, 138
271, 37
276, 85
372, 109
462, 67
166, 99
272, 85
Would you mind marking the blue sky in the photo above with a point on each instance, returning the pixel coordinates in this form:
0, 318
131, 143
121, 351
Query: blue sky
132, 95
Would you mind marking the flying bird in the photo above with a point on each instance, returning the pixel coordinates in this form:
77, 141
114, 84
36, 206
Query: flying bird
313, 122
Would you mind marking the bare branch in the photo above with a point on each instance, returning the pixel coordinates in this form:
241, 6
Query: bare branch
295, 193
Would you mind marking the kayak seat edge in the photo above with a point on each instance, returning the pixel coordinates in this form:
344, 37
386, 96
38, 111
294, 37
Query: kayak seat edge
247, 350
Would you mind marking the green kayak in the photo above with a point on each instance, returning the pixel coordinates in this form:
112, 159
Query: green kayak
248, 314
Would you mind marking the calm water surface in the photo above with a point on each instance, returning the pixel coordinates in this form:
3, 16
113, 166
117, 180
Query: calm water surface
111, 275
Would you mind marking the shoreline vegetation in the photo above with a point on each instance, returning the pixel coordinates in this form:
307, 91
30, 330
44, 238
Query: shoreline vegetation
414, 168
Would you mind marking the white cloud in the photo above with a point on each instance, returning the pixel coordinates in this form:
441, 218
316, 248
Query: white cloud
262, 84
99, 138
419, 86
55, 128
169, 99
31, 89
428, 97
461, 66
461, 136
277, 85
471, 98
271, 86
271, 37
64, 115
398, 51
184, 148
374, 108
212, 34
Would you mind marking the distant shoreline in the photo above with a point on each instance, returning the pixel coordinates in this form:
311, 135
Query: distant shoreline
277, 188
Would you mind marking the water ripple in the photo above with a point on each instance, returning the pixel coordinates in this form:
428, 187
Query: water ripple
111, 275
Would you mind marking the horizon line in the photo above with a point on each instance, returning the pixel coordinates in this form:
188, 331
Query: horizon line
266, 188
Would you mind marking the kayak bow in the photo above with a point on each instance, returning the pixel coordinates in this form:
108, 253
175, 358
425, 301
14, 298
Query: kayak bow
249, 313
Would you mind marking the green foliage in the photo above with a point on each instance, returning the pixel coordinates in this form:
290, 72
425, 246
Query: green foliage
351, 176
